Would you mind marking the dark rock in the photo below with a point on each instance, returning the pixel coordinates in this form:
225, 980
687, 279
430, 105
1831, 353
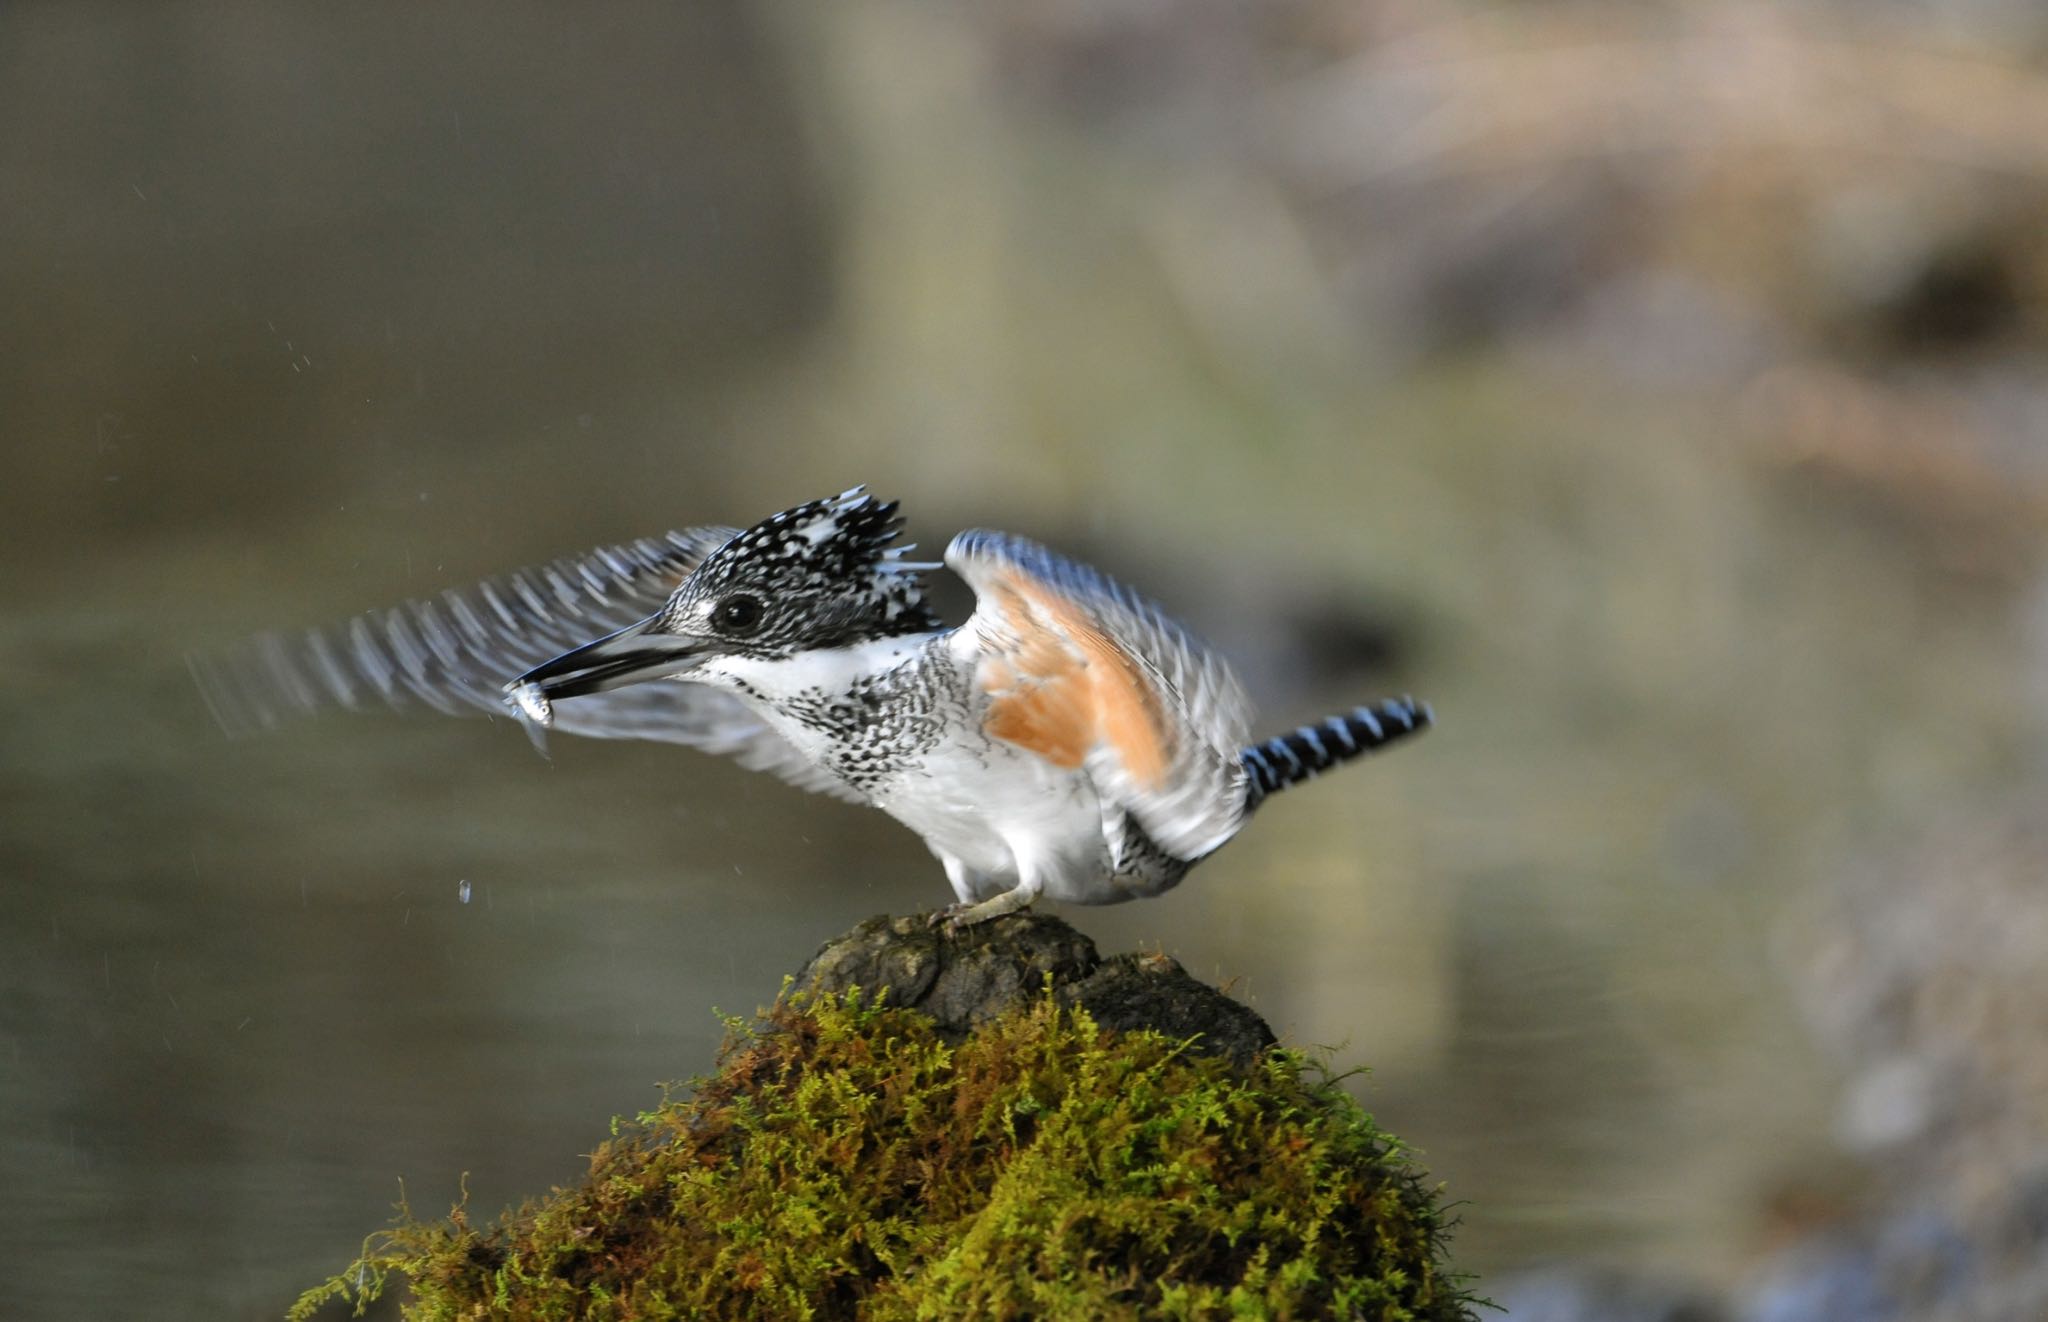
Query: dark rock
968, 977
1154, 991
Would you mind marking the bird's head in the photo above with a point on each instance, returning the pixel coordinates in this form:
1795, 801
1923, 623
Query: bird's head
823, 575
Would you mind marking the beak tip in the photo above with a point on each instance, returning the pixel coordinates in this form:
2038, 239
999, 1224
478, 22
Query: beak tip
628, 656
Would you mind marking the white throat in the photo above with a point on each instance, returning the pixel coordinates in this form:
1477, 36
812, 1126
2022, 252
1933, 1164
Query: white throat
826, 671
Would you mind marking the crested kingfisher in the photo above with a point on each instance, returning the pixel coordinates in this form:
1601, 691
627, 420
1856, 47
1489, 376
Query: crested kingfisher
1070, 739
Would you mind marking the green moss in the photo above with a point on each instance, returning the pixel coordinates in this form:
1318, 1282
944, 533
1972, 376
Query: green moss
846, 1162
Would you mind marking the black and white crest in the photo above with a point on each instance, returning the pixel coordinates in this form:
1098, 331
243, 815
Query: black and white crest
825, 573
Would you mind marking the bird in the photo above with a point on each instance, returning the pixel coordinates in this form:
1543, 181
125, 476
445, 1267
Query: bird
1070, 739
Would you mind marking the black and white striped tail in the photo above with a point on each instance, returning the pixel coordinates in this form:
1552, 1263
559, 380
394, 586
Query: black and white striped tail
1291, 758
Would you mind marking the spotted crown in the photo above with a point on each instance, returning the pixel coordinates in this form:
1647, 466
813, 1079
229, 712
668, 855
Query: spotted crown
829, 569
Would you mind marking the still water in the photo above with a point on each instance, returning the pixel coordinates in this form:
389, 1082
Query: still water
257, 987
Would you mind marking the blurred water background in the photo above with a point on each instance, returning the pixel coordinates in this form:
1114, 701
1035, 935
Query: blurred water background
1657, 388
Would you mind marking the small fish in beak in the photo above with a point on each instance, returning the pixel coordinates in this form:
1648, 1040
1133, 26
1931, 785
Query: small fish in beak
530, 702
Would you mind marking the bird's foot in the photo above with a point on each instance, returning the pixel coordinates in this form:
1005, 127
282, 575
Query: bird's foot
955, 918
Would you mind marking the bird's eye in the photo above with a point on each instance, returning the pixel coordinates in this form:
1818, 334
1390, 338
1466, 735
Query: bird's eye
737, 614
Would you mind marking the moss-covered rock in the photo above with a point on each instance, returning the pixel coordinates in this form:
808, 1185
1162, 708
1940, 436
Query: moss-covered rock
848, 1160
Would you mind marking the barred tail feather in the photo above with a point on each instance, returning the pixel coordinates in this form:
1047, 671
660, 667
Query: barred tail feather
1291, 758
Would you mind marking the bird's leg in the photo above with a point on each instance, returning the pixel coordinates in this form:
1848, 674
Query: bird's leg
1033, 868
966, 882
1010, 901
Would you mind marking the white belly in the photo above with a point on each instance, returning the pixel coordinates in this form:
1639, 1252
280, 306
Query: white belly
997, 815
996, 810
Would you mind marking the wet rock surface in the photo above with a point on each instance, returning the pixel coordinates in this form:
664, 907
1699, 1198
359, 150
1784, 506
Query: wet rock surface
968, 977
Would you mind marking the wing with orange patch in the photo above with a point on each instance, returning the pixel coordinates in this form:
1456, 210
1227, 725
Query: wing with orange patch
1085, 673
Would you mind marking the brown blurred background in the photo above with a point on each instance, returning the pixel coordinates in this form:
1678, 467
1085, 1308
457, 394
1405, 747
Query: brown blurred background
1658, 389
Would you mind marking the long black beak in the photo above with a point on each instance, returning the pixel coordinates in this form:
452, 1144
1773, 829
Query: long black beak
635, 653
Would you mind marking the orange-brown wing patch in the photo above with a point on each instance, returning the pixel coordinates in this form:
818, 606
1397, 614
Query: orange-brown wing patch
1060, 685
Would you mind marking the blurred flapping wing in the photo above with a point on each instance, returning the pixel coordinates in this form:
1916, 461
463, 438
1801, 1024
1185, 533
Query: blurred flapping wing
455, 653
